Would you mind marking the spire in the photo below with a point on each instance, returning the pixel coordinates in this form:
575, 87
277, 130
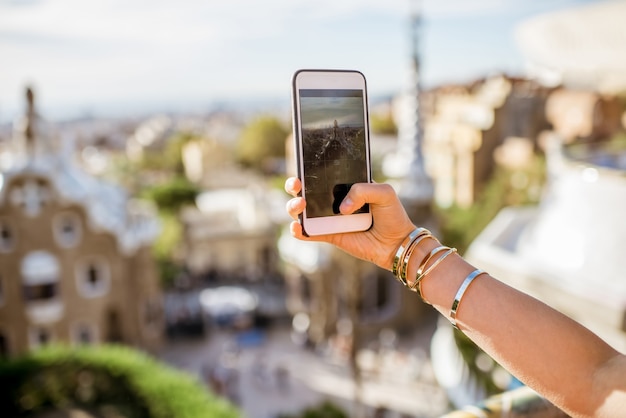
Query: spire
30, 122
407, 164
33, 137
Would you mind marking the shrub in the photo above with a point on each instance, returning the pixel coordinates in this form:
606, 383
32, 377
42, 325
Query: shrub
105, 380
326, 409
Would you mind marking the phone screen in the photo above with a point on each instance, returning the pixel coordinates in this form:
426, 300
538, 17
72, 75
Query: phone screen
334, 147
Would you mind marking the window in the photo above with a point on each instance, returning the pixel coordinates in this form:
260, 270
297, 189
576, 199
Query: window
67, 229
113, 331
40, 337
40, 276
93, 277
4, 346
83, 333
37, 292
7, 237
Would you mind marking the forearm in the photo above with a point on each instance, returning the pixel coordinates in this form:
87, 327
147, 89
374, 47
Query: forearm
545, 349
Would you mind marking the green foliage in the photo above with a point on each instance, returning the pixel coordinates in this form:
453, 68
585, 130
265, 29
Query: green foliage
383, 124
171, 196
460, 226
170, 158
262, 141
168, 268
325, 410
618, 141
106, 381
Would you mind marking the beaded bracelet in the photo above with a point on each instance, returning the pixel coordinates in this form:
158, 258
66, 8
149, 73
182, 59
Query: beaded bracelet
459, 295
399, 257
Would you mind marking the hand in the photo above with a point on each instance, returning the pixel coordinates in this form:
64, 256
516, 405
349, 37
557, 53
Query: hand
378, 244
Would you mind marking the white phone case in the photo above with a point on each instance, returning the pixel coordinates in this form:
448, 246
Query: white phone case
331, 134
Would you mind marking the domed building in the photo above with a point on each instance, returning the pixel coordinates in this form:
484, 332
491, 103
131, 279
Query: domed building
75, 259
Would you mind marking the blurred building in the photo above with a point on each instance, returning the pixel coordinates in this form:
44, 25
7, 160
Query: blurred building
75, 259
583, 115
464, 125
150, 136
231, 236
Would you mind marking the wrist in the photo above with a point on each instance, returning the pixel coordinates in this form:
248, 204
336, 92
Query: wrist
400, 244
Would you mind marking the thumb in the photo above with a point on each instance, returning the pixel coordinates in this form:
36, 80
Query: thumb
362, 193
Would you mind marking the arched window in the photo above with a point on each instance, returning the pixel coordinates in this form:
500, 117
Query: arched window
40, 276
93, 277
67, 229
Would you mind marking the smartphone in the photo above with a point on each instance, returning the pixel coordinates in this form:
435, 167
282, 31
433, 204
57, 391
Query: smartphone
331, 135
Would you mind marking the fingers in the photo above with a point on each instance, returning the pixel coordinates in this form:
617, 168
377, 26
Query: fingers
362, 193
295, 207
293, 186
296, 230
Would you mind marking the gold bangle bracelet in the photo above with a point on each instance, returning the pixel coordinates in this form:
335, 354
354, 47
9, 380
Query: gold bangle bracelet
429, 257
459, 295
402, 249
405, 262
436, 263
417, 285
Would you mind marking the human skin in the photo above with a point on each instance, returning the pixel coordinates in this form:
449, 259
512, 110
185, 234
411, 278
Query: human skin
559, 358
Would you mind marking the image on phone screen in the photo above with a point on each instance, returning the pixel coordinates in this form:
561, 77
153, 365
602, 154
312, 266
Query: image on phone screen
334, 147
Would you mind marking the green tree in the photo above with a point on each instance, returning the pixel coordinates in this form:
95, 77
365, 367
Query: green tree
261, 142
171, 196
383, 124
170, 158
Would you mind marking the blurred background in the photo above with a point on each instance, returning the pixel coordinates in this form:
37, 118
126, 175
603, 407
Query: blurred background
143, 242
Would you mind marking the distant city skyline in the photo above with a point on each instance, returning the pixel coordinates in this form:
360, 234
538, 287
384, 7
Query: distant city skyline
114, 57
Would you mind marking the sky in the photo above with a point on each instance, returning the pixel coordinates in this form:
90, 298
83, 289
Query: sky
113, 57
